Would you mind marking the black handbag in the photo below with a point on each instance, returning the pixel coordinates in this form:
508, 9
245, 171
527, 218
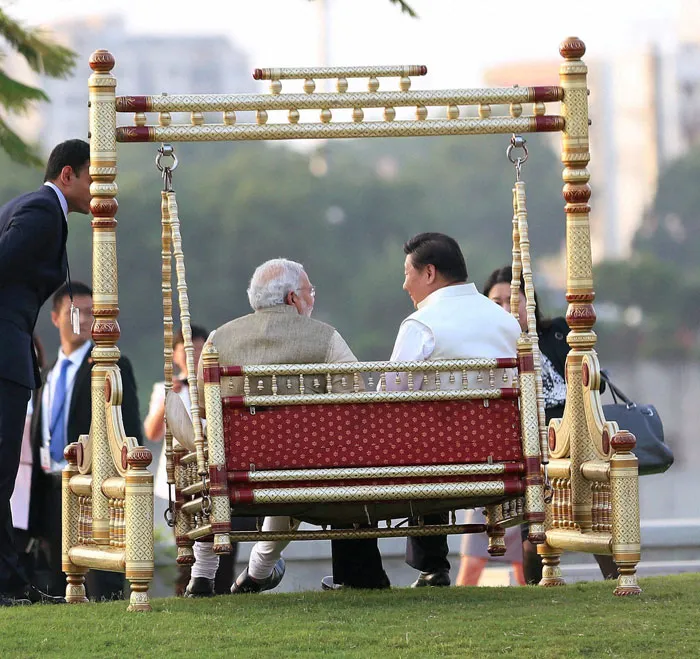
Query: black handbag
643, 421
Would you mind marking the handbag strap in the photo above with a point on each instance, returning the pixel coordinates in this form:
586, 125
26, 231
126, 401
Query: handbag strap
616, 391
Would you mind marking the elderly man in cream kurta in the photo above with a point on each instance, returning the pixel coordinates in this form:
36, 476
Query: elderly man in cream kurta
280, 331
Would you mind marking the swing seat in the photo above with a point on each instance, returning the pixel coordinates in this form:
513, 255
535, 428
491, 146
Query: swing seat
331, 437
364, 456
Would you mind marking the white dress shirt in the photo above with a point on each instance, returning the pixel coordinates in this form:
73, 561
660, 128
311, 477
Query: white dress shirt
469, 326
76, 358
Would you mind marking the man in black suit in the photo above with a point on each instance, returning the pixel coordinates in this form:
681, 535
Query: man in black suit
63, 413
33, 264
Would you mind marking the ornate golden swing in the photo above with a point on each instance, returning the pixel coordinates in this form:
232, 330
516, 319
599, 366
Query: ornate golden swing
574, 483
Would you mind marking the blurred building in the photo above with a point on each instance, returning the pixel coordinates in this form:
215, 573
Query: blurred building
635, 131
145, 64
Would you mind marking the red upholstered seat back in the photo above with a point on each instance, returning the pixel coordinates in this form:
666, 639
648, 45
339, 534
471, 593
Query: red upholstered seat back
372, 434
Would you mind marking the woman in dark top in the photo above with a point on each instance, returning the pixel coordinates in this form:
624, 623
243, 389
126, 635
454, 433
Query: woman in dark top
553, 349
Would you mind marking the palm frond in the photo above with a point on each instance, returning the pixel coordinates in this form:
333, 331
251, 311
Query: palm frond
405, 8
17, 97
42, 54
17, 148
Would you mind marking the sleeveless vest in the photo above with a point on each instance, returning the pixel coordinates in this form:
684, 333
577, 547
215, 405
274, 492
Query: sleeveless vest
277, 335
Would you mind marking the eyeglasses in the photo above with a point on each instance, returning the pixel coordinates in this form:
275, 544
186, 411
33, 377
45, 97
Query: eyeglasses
311, 289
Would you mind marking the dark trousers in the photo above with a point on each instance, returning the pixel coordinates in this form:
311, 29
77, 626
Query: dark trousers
99, 584
428, 553
13, 410
358, 563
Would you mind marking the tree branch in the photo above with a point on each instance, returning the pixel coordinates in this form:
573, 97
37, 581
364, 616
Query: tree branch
42, 54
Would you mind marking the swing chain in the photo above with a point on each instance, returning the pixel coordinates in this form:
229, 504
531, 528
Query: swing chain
167, 151
206, 497
548, 491
517, 142
169, 513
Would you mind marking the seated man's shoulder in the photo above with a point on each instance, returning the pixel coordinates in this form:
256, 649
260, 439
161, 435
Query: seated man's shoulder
230, 325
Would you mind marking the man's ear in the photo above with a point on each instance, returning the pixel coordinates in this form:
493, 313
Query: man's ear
54, 317
431, 272
289, 298
66, 174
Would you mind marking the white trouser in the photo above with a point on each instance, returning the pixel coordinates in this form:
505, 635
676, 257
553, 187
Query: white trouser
263, 555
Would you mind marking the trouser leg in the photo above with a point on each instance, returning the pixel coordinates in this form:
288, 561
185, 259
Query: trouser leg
429, 553
265, 554
358, 563
13, 411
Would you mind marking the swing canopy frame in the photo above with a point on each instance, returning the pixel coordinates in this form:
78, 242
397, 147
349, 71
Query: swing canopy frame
575, 482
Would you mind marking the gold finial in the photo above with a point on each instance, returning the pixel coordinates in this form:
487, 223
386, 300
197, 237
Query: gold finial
342, 85
572, 48
101, 61
309, 86
229, 118
293, 116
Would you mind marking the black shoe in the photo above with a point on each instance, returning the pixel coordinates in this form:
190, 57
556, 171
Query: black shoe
438, 578
246, 584
13, 601
36, 596
200, 587
327, 583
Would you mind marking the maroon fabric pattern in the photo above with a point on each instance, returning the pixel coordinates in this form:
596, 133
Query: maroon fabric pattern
372, 434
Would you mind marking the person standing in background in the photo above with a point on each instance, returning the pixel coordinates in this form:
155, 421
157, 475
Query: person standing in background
33, 264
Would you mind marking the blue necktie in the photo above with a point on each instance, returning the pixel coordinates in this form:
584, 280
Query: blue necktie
57, 427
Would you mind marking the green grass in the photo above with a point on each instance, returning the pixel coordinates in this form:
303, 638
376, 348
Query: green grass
582, 620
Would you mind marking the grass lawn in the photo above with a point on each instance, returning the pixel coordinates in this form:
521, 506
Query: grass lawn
581, 620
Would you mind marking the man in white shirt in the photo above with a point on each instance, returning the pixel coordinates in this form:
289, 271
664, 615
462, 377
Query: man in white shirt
452, 321
63, 413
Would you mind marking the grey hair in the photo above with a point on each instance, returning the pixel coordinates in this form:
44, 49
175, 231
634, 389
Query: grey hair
271, 282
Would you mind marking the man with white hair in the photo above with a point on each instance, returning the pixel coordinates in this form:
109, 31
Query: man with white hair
279, 331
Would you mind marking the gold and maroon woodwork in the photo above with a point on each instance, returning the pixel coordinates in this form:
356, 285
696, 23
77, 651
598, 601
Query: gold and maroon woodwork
103, 529
107, 492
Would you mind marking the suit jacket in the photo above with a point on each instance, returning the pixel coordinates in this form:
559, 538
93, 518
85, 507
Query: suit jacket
33, 265
79, 419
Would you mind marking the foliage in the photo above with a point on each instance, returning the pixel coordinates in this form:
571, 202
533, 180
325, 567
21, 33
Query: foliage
662, 279
242, 204
572, 621
43, 56
405, 7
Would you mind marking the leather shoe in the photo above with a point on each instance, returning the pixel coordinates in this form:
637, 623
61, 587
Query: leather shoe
438, 578
247, 584
327, 583
13, 601
36, 596
200, 587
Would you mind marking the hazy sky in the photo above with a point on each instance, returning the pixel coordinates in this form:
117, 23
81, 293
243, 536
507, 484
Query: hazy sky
455, 38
